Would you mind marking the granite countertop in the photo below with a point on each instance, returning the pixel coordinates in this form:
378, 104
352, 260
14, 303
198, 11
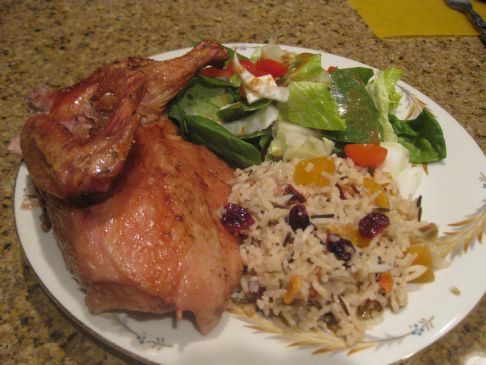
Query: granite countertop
55, 43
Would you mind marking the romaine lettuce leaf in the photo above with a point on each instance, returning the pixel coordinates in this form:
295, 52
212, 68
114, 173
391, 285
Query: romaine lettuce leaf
291, 141
272, 51
422, 137
380, 95
311, 105
259, 87
307, 67
391, 76
257, 121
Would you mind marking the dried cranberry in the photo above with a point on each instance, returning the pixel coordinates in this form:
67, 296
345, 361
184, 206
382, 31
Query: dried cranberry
298, 217
297, 195
257, 294
372, 224
236, 218
340, 247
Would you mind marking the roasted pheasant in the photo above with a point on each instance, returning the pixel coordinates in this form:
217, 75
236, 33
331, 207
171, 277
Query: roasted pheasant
133, 206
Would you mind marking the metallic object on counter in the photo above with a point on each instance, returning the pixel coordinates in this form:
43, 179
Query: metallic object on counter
466, 7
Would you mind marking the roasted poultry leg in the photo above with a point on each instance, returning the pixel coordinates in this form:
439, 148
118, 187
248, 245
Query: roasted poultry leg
133, 206
79, 143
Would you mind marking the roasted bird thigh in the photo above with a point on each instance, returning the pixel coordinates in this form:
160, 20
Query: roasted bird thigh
156, 244
133, 206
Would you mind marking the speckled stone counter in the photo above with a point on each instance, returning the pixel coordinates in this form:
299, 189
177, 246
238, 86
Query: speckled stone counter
55, 43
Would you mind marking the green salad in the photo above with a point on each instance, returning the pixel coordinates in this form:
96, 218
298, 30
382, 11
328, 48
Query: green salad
283, 105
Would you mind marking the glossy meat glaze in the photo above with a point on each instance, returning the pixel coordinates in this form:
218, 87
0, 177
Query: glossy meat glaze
133, 206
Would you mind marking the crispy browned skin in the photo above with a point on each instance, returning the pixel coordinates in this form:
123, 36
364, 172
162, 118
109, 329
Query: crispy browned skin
80, 142
158, 238
152, 241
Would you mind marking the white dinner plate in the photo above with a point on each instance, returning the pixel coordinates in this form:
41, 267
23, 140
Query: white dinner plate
453, 191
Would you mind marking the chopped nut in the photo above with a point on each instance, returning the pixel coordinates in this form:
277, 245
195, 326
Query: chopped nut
429, 232
249, 309
293, 287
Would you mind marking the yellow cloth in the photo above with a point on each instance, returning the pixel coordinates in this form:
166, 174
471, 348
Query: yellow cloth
392, 18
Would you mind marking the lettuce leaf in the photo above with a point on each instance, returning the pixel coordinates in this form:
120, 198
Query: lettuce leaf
311, 105
422, 137
307, 67
391, 76
257, 121
379, 93
291, 141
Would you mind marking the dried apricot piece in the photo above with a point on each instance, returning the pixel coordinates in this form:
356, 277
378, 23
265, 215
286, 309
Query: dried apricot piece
372, 186
424, 257
314, 171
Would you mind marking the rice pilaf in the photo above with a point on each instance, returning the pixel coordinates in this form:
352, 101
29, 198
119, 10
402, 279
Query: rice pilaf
308, 260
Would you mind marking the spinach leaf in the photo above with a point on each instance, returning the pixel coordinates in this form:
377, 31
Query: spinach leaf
240, 109
356, 107
363, 74
204, 97
235, 151
213, 81
260, 139
231, 54
422, 137
196, 109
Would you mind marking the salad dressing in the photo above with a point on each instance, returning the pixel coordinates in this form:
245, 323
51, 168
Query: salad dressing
298, 109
